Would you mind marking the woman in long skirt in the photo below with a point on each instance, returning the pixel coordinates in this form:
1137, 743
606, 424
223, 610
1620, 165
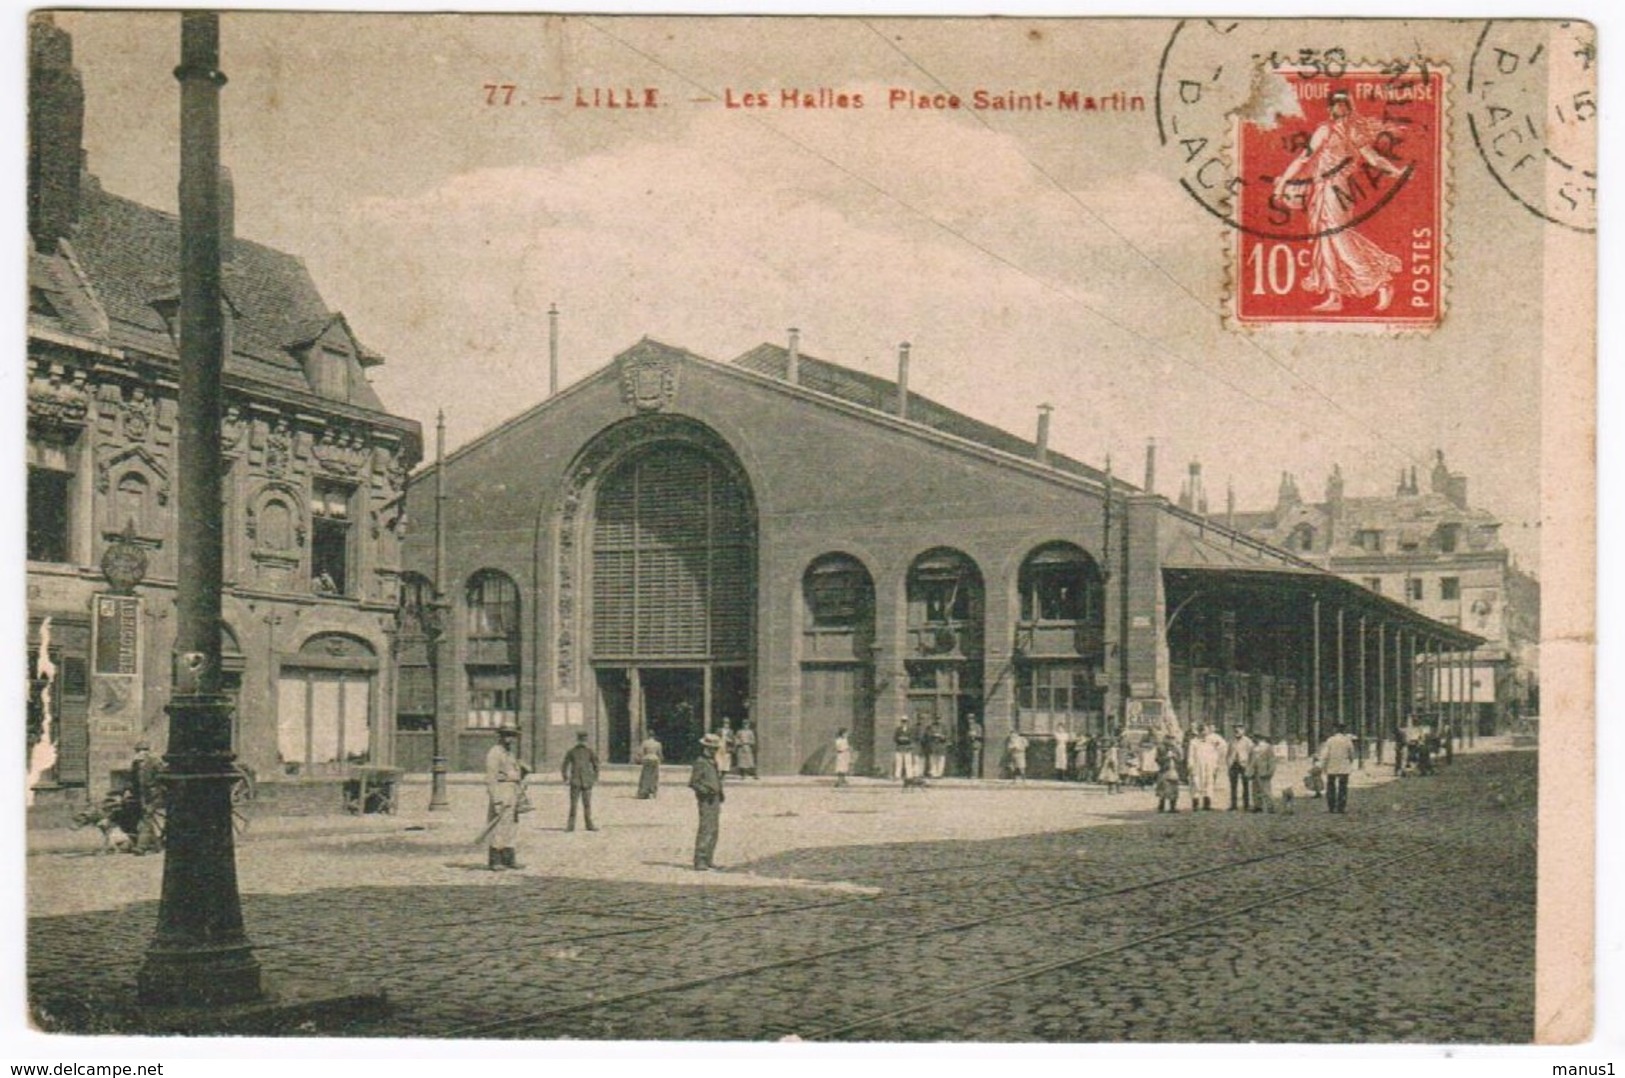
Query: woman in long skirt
651, 754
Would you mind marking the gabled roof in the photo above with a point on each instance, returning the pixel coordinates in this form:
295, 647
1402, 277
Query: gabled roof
58, 299
856, 387
130, 256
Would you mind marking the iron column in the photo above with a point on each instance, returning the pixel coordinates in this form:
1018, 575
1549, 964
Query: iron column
438, 801
200, 955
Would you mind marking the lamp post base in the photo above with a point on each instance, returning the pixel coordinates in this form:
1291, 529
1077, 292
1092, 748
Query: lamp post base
438, 801
200, 955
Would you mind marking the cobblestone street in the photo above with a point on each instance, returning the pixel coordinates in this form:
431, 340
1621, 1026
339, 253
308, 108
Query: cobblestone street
973, 912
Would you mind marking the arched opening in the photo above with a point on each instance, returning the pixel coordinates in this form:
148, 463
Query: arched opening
837, 660
673, 559
1059, 652
946, 608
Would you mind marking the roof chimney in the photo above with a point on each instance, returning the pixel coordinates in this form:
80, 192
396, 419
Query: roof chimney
792, 366
902, 380
56, 127
1042, 449
1197, 496
1150, 465
228, 213
1230, 506
552, 349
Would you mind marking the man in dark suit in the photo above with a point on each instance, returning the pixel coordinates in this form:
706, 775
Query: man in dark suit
580, 771
706, 782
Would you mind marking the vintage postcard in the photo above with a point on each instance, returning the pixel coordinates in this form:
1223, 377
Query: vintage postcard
554, 527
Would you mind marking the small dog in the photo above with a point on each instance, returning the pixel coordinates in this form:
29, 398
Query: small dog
1286, 801
112, 817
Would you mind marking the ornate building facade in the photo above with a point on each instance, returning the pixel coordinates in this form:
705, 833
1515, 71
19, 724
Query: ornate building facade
315, 471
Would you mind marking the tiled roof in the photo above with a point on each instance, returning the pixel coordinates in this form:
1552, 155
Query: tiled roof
56, 297
856, 387
130, 257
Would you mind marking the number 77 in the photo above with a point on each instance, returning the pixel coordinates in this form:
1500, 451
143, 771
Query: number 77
506, 89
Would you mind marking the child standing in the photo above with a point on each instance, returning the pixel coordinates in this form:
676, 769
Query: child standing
1168, 777
1108, 767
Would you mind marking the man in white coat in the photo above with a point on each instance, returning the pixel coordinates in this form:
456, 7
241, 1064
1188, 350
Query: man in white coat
1337, 757
1203, 758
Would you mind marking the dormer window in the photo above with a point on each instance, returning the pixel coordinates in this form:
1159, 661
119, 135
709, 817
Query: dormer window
1369, 539
330, 372
1449, 538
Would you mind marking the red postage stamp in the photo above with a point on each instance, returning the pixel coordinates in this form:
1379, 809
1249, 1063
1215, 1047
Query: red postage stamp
1341, 200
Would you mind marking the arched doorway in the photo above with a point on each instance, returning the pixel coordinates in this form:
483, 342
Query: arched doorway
946, 609
673, 560
837, 660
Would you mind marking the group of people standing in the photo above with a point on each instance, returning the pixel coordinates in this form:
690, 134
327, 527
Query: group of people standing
506, 776
919, 751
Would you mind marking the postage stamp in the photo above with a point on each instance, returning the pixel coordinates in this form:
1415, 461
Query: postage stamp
1341, 205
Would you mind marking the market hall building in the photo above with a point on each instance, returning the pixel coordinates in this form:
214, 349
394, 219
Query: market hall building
674, 542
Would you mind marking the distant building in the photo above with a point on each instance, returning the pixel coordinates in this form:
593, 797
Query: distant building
315, 470
1432, 551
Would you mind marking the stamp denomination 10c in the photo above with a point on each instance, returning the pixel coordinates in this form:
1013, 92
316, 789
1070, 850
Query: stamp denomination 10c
1340, 202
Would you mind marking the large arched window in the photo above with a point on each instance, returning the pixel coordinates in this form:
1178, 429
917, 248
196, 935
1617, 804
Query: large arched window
491, 649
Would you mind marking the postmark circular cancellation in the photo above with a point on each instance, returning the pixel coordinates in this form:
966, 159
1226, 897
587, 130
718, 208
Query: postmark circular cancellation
1532, 114
1329, 169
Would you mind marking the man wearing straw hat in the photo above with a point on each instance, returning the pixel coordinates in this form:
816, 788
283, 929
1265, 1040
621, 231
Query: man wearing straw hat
504, 786
706, 782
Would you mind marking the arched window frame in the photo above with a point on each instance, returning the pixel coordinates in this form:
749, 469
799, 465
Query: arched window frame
1060, 583
491, 611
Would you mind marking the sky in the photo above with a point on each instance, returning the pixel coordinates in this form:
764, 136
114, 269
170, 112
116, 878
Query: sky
1028, 257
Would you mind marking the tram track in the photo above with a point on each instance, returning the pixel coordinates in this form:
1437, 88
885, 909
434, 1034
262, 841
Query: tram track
873, 879
1101, 955
1343, 838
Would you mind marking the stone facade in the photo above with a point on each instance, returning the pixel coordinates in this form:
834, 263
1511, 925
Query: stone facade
927, 565
314, 473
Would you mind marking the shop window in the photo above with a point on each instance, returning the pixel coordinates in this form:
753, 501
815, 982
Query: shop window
1450, 587
49, 514
330, 538
322, 720
1052, 693
493, 697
